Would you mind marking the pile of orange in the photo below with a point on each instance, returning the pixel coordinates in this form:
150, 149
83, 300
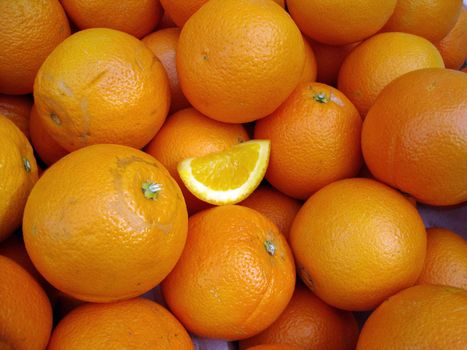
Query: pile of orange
183, 174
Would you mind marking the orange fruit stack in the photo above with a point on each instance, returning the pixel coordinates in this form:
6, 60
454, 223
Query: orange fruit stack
241, 174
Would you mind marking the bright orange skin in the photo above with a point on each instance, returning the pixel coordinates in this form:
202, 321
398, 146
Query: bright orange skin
163, 44
329, 59
446, 259
26, 317
181, 11
276, 206
431, 19
309, 323
30, 30
357, 242
314, 140
453, 47
18, 174
422, 317
96, 84
247, 76
379, 60
94, 234
414, 137
275, 347
188, 133
310, 67
17, 109
138, 324
227, 284
46, 147
337, 22
135, 17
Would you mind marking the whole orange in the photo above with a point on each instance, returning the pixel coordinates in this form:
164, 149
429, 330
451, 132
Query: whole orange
431, 19
235, 276
276, 206
98, 83
163, 44
238, 60
135, 17
357, 242
137, 324
18, 174
337, 22
446, 259
421, 317
189, 133
45, 146
309, 323
414, 137
453, 47
30, 30
379, 60
315, 140
17, 109
26, 316
104, 223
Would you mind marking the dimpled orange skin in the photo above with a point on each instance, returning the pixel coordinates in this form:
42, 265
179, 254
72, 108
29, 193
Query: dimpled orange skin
337, 22
414, 137
357, 242
138, 324
453, 47
97, 83
315, 140
26, 317
379, 60
93, 230
235, 276
18, 174
30, 30
431, 19
311, 324
17, 109
247, 76
446, 259
189, 133
422, 317
45, 146
135, 17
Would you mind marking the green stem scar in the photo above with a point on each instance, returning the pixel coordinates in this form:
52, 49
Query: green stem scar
270, 247
151, 189
27, 165
55, 118
321, 97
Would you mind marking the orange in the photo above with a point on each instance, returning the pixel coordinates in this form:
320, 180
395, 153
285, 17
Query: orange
135, 17
337, 22
248, 75
98, 83
105, 223
309, 323
163, 44
26, 317
18, 174
431, 19
166, 21
275, 347
30, 30
17, 109
453, 47
181, 11
315, 140
446, 259
310, 67
421, 317
414, 137
137, 324
329, 59
45, 146
276, 206
379, 60
235, 276
357, 242
188, 133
